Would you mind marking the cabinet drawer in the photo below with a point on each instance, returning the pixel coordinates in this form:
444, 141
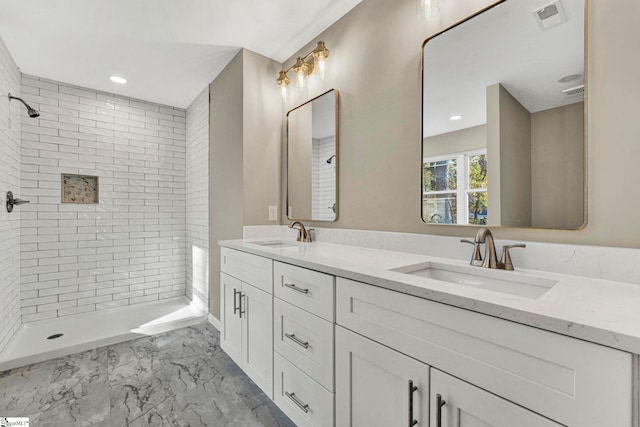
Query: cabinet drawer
559, 377
305, 340
307, 289
249, 268
305, 401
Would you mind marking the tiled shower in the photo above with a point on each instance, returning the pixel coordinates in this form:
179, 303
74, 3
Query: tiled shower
10, 114
147, 238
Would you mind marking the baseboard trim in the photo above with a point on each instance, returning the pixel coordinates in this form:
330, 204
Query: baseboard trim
215, 322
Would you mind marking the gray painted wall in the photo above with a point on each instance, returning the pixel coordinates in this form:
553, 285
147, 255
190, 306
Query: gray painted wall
262, 134
245, 135
557, 153
225, 167
514, 171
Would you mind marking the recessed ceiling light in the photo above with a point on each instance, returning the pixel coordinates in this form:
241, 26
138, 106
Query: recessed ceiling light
570, 78
455, 117
118, 79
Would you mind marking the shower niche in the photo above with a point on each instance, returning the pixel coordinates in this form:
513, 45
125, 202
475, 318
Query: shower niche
82, 189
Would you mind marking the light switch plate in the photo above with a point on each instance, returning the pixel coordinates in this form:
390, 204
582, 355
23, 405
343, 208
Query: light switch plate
273, 213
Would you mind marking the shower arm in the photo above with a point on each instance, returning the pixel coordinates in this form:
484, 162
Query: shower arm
33, 113
19, 99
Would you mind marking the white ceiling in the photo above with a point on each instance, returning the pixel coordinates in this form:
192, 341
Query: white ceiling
503, 45
323, 112
168, 50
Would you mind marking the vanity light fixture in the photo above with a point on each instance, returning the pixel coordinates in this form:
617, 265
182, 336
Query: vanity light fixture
429, 9
118, 79
305, 66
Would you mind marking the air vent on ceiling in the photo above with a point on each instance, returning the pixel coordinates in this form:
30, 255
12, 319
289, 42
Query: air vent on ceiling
573, 91
550, 15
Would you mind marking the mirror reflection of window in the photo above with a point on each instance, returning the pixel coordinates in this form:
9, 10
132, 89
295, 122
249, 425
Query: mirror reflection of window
455, 189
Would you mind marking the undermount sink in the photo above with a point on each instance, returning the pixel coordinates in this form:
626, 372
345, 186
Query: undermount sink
502, 281
275, 244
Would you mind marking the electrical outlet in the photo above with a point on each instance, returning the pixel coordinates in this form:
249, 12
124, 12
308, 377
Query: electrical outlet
273, 213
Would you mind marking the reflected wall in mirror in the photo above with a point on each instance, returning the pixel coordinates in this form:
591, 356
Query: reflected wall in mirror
503, 131
312, 150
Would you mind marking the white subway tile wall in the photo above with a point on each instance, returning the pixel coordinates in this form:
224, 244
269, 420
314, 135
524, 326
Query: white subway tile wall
197, 251
10, 113
129, 248
323, 182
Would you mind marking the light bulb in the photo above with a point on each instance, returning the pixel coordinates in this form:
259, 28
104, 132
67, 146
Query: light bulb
300, 77
321, 64
283, 81
300, 70
320, 55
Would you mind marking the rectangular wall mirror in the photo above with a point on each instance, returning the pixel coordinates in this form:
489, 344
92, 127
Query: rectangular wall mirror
312, 159
503, 130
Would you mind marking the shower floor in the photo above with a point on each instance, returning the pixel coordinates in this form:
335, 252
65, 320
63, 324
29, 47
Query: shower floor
96, 329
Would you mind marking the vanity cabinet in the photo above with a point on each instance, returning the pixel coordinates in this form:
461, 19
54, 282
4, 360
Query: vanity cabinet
332, 352
377, 386
570, 381
247, 315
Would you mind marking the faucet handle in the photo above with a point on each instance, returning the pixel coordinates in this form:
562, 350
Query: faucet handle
476, 257
308, 238
506, 255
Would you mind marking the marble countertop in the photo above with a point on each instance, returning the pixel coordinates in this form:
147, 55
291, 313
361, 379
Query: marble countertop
599, 311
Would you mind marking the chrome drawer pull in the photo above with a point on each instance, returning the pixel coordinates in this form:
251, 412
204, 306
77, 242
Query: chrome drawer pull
295, 288
439, 404
297, 401
297, 340
235, 304
412, 389
241, 312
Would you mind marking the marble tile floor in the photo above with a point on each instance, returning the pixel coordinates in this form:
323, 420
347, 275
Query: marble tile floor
179, 378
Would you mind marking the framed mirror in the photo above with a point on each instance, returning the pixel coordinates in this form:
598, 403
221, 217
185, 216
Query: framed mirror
312, 159
503, 118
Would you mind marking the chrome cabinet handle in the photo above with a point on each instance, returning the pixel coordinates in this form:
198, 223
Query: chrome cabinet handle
235, 306
241, 310
297, 401
297, 340
412, 389
439, 404
295, 288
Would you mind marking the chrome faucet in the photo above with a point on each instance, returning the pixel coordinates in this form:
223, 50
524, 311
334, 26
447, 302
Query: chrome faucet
490, 260
304, 235
485, 236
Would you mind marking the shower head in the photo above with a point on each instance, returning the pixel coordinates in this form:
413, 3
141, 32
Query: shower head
330, 159
32, 113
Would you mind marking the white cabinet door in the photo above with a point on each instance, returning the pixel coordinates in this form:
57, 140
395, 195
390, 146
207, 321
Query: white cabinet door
231, 322
372, 384
463, 405
257, 337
